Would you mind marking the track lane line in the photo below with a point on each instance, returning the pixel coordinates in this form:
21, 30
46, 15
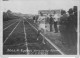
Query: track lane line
4, 24
9, 26
15, 44
48, 40
27, 50
11, 32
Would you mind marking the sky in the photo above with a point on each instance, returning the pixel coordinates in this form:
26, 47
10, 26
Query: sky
33, 6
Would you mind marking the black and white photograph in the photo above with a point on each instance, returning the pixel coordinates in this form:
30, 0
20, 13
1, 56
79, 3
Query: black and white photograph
40, 27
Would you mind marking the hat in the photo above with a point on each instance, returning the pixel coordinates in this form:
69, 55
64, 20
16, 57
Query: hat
70, 10
63, 12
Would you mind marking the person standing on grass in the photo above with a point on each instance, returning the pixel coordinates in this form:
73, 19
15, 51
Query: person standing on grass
62, 27
75, 17
71, 25
34, 19
51, 23
56, 22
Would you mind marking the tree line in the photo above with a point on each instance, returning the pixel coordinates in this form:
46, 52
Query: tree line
8, 15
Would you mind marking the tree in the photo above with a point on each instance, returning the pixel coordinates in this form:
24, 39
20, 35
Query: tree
8, 16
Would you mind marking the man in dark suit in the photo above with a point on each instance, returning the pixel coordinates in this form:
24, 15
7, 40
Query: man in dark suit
51, 23
34, 19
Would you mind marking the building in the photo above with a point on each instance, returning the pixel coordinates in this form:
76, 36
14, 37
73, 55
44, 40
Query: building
48, 12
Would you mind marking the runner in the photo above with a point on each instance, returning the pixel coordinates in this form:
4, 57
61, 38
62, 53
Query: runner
41, 25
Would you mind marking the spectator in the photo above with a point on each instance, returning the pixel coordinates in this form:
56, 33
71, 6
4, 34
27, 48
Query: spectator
75, 16
67, 28
51, 23
72, 23
55, 22
63, 28
34, 19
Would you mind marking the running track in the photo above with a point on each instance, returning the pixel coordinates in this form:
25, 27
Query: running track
19, 37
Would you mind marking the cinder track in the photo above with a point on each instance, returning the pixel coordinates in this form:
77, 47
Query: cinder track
22, 39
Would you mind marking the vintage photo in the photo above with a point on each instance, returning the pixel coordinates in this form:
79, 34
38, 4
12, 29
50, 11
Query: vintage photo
40, 27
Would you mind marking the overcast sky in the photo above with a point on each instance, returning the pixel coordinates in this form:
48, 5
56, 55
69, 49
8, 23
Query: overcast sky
32, 6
